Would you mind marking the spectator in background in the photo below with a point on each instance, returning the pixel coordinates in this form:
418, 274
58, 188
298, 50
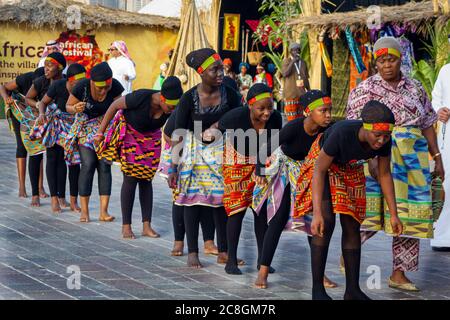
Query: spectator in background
122, 66
227, 68
262, 76
161, 77
296, 82
243, 79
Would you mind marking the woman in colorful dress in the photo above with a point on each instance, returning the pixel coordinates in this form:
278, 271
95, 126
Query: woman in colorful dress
414, 139
200, 180
58, 122
19, 85
89, 100
245, 127
179, 230
243, 79
273, 200
54, 66
332, 181
134, 140
262, 76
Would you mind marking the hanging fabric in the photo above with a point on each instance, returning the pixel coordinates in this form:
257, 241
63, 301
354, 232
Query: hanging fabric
354, 51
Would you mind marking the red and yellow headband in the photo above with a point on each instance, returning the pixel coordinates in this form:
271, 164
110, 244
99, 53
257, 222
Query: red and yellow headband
77, 76
259, 97
317, 103
380, 126
169, 102
215, 57
50, 59
105, 83
385, 51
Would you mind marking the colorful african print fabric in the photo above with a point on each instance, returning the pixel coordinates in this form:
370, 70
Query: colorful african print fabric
200, 178
138, 153
292, 109
347, 187
239, 180
412, 179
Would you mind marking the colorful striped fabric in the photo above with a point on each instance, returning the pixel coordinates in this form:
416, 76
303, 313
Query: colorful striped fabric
412, 181
200, 178
239, 180
292, 109
138, 153
347, 187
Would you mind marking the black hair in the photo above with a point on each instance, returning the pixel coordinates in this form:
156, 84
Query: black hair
58, 56
310, 96
196, 58
171, 88
375, 112
101, 72
257, 89
74, 69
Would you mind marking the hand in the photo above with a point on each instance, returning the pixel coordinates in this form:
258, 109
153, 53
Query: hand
397, 225
41, 119
79, 107
260, 180
172, 180
443, 114
317, 225
439, 168
373, 168
208, 135
98, 138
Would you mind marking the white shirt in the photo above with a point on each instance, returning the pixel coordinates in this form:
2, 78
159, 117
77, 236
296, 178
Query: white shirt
441, 90
121, 67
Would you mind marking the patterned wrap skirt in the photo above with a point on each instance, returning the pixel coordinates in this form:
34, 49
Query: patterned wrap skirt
281, 171
412, 183
27, 116
347, 187
239, 180
200, 177
138, 153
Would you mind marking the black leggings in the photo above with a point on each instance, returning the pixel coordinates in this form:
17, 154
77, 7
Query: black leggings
34, 171
21, 152
89, 163
56, 170
206, 222
127, 194
268, 234
192, 217
351, 250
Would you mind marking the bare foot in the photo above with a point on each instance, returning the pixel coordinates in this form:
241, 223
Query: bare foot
43, 194
193, 261
327, 283
23, 194
127, 233
55, 205
261, 280
177, 250
147, 231
222, 258
63, 203
210, 248
35, 202
105, 217
84, 218
74, 207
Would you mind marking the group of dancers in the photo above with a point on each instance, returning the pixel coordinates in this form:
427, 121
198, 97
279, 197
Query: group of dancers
220, 154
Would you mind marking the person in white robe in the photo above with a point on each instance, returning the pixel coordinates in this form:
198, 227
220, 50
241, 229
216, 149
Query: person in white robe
122, 66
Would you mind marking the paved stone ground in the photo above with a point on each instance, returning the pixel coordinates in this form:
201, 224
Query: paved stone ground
37, 247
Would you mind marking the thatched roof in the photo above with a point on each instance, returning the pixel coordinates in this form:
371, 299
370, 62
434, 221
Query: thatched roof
37, 13
412, 12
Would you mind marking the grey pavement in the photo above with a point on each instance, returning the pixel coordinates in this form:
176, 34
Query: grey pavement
39, 252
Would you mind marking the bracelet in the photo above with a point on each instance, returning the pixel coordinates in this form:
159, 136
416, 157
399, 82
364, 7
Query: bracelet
436, 155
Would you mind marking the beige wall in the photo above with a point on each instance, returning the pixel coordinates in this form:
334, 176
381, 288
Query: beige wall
148, 48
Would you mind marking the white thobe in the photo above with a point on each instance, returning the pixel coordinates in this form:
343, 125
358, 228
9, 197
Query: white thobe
121, 67
441, 98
